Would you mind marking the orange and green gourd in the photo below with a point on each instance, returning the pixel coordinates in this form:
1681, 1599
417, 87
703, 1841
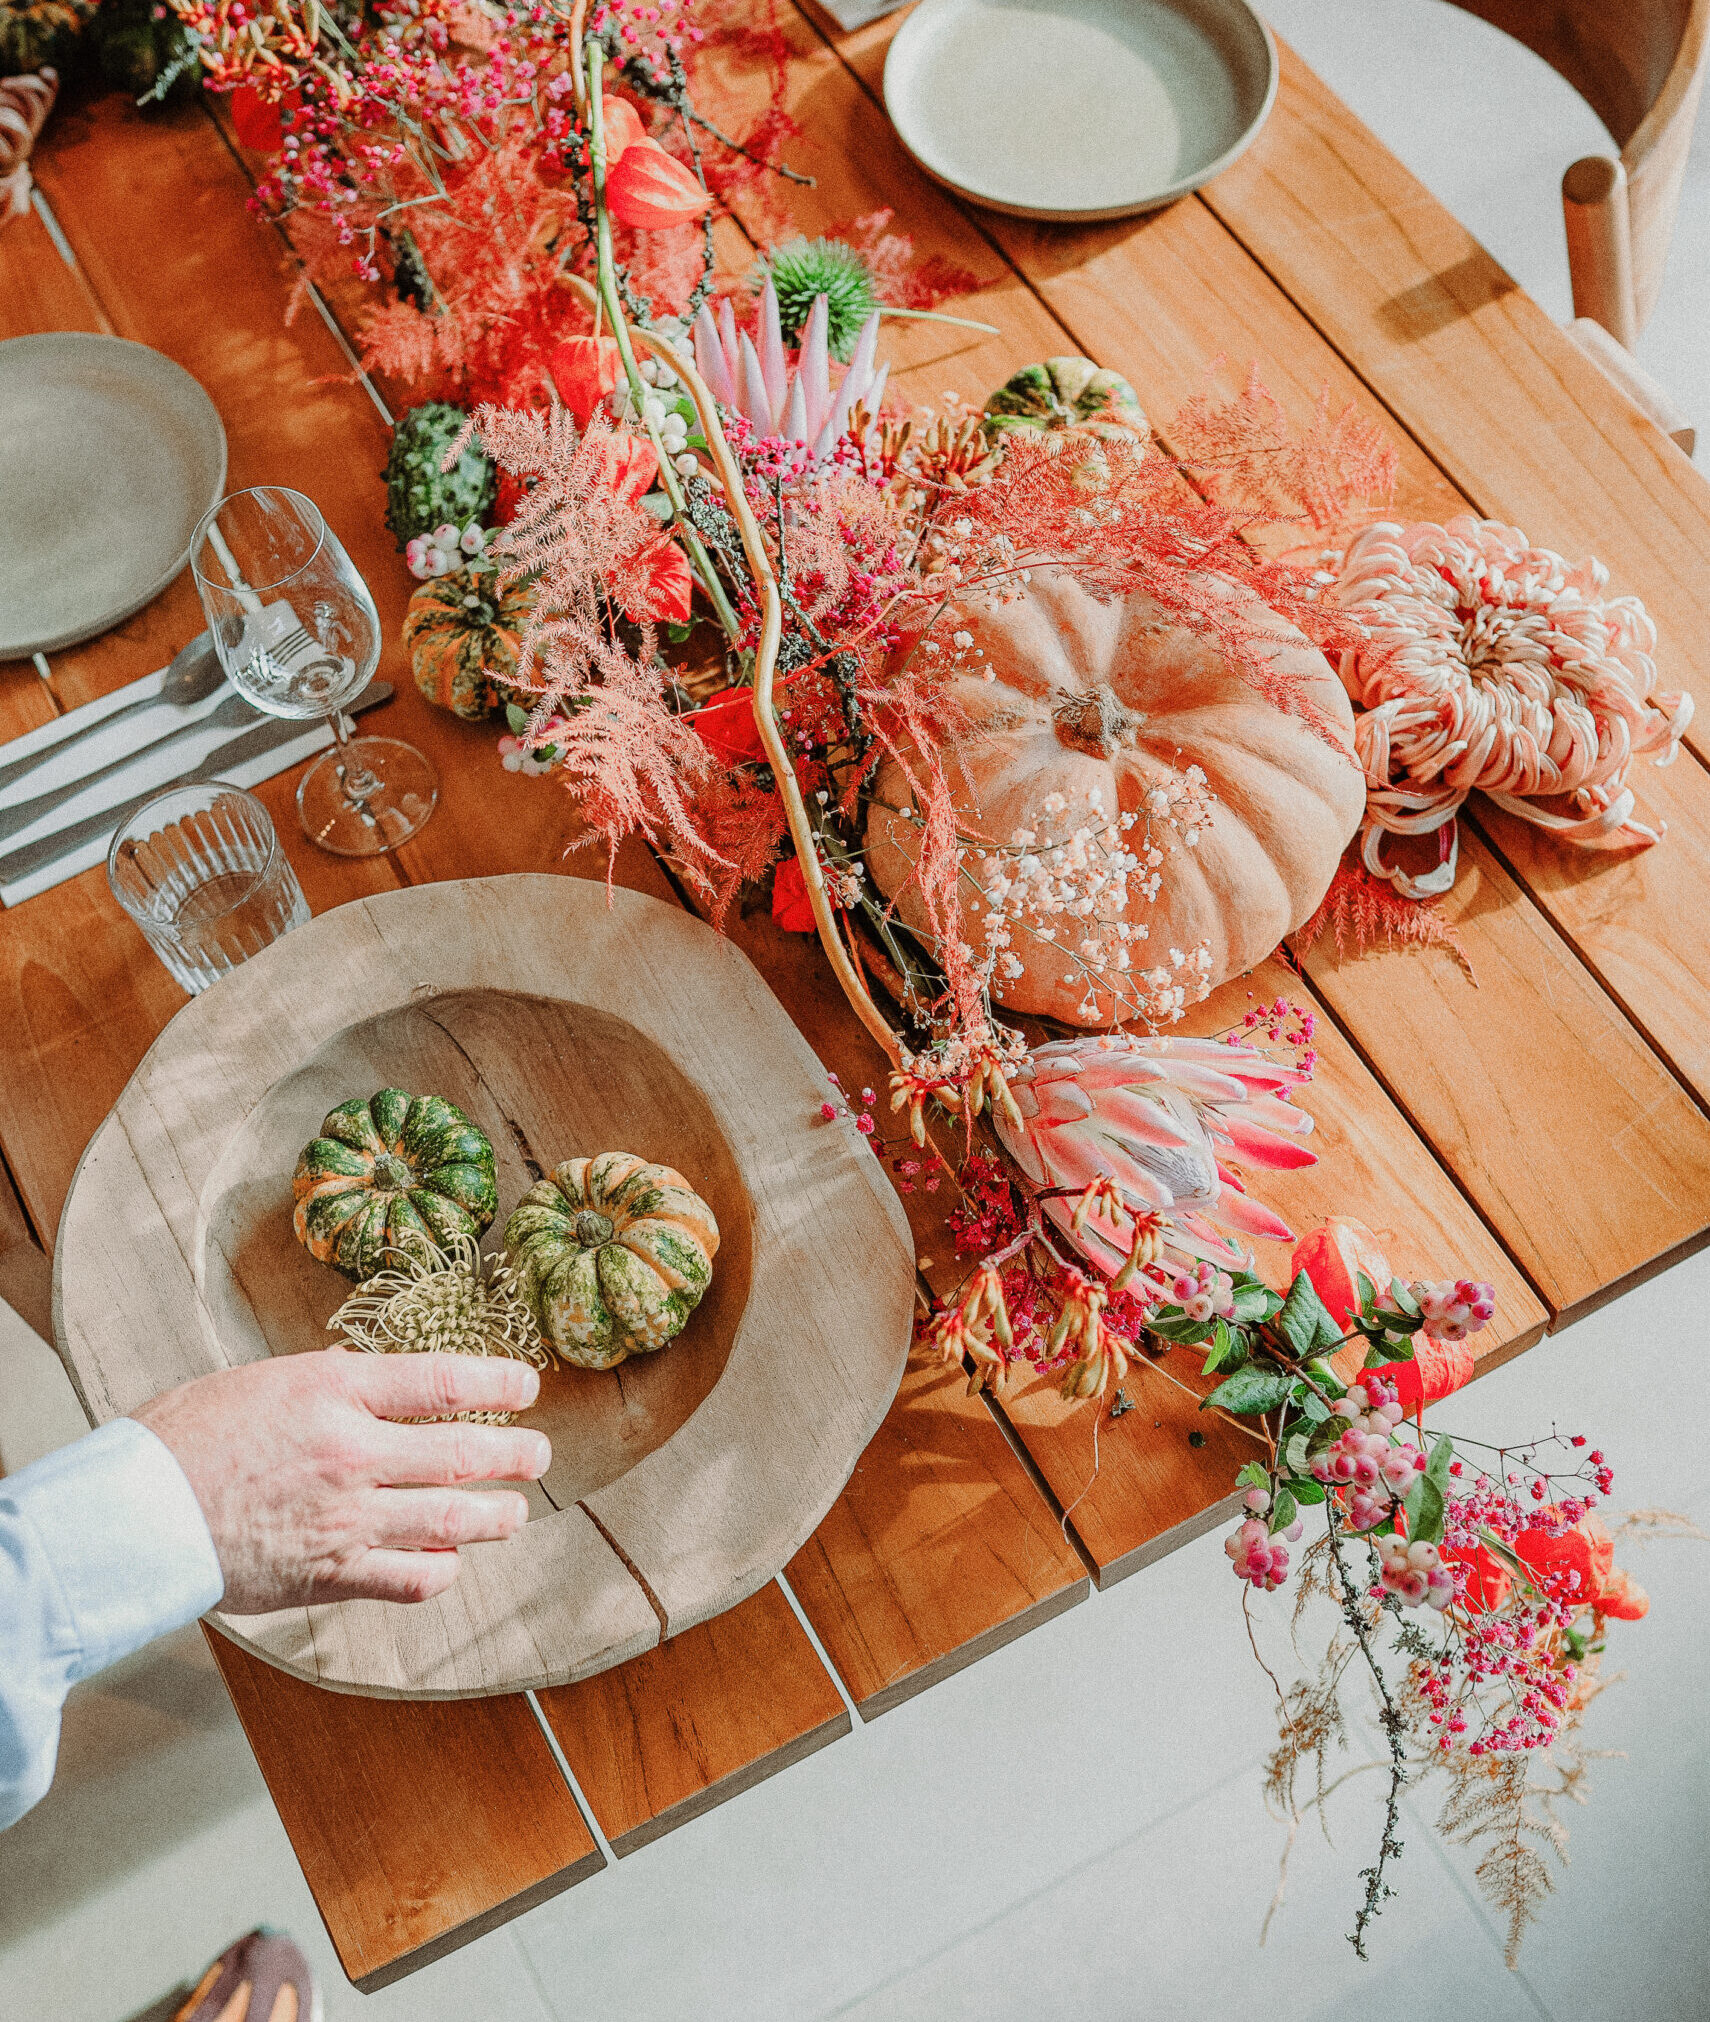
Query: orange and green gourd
1067, 395
612, 1255
464, 638
391, 1177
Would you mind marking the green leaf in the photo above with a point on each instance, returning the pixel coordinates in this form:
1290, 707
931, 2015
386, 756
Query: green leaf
1283, 1511
1367, 1291
1312, 1407
678, 633
516, 718
1250, 1390
1437, 1467
1295, 1453
1254, 1301
1222, 1342
1253, 1475
1305, 1489
1190, 1331
1303, 1322
1424, 1505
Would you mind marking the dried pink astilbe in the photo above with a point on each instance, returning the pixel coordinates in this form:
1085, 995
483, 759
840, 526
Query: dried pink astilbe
1260, 467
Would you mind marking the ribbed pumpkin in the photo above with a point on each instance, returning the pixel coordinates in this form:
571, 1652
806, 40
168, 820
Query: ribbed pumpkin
463, 638
1115, 698
612, 1255
1068, 395
391, 1177
34, 32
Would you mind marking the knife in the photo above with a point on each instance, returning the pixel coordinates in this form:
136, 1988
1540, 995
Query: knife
36, 859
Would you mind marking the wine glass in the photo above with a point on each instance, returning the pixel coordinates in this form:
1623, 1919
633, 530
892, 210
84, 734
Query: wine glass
298, 635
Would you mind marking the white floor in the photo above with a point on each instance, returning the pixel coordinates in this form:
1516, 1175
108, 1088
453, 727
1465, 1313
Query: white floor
1073, 1828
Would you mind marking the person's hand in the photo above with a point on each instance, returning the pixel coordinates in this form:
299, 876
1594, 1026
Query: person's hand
296, 1462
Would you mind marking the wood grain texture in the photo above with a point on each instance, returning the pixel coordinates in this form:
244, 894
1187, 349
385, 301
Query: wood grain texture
38, 291
419, 1826
1522, 422
1159, 299
636, 1022
697, 1721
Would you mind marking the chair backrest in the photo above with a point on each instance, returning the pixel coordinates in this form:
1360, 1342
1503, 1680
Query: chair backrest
1639, 65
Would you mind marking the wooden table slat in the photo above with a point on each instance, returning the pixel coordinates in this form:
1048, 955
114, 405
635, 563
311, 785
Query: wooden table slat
420, 1824
707, 1715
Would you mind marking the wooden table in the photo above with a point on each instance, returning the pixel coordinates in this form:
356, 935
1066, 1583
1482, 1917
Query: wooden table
1545, 1129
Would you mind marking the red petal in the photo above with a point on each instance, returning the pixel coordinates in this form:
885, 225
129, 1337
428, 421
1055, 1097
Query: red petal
727, 723
584, 370
256, 121
1255, 1142
667, 583
652, 190
791, 908
623, 125
1331, 1255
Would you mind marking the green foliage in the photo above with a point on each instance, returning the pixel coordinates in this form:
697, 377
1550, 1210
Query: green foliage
801, 269
1250, 1390
419, 495
34, 32
147, 52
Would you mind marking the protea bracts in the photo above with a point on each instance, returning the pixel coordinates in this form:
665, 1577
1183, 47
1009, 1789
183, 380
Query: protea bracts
1165, 1121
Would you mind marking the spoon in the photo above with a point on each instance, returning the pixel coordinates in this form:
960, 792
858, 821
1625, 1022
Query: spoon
194, 674
232, 712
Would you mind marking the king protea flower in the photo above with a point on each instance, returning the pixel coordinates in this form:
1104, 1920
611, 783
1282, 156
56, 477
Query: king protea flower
755, 380
1163, 1120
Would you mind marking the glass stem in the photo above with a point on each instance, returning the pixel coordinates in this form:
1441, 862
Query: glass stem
355, 780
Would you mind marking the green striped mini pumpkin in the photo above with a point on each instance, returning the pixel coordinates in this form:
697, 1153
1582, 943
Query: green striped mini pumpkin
612, 1255
392, 1176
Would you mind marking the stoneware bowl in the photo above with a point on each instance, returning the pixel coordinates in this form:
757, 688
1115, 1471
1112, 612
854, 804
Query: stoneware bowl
1079, 109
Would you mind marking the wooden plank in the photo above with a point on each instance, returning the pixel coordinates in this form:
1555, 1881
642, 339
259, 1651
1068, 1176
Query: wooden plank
1180, 307
420, 1825
658, 1741
1521, 420
38, 290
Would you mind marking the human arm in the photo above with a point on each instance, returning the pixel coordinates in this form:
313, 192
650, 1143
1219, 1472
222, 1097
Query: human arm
254, 1488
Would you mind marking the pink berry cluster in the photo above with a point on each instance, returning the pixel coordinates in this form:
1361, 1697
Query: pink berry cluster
1415, 1573
1203, 1292
1256, 1553
1454, 1308
1367, 1457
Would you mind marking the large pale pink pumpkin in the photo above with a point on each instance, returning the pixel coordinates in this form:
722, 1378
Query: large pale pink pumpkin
1117, 700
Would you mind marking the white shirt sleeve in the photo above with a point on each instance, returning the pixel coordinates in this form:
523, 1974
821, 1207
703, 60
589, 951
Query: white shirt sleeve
103, 1547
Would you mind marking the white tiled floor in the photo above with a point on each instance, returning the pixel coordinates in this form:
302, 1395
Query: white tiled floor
1072, 1828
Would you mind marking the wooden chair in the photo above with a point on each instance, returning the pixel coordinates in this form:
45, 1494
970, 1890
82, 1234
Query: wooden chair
1639, 65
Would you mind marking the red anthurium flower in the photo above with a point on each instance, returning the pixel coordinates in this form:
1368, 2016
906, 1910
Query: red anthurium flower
1589, 1551
256, 120
659, 584
791, 908
727, 724
623, 127
629, 466
1437, 1368
650, 189
584, 370
1332, 1256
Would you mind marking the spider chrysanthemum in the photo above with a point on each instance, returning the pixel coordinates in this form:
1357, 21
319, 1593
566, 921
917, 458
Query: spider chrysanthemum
450, 1302
802, 269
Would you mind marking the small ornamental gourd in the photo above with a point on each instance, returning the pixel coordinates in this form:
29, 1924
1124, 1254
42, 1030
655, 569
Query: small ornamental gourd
464, 636
390, 1178
1068, 396
612, 1255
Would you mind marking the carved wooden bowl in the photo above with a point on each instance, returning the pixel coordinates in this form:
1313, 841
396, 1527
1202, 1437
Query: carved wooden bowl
681, 1481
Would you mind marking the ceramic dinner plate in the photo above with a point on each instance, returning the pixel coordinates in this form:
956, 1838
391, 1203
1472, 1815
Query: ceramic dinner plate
1078, 109
109, 456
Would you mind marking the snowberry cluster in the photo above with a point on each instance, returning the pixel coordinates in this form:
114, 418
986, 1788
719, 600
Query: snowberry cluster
1454, 1308
1415, 1573
515, 754
1256, 1553
1203, 1292
1367, 1457
445, 549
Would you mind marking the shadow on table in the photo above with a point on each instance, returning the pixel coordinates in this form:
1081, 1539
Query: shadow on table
151, 1754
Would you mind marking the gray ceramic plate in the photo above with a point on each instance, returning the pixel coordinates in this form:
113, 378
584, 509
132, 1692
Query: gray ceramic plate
1079, 108
109, 456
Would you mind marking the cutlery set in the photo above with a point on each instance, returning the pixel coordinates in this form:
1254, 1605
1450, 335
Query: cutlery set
68, 786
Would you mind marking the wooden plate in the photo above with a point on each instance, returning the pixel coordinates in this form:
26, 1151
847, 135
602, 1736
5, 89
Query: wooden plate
681, 1481
109, 456
1077, 109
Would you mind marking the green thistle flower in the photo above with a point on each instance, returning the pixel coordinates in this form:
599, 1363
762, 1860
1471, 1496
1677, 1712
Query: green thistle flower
803, 268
